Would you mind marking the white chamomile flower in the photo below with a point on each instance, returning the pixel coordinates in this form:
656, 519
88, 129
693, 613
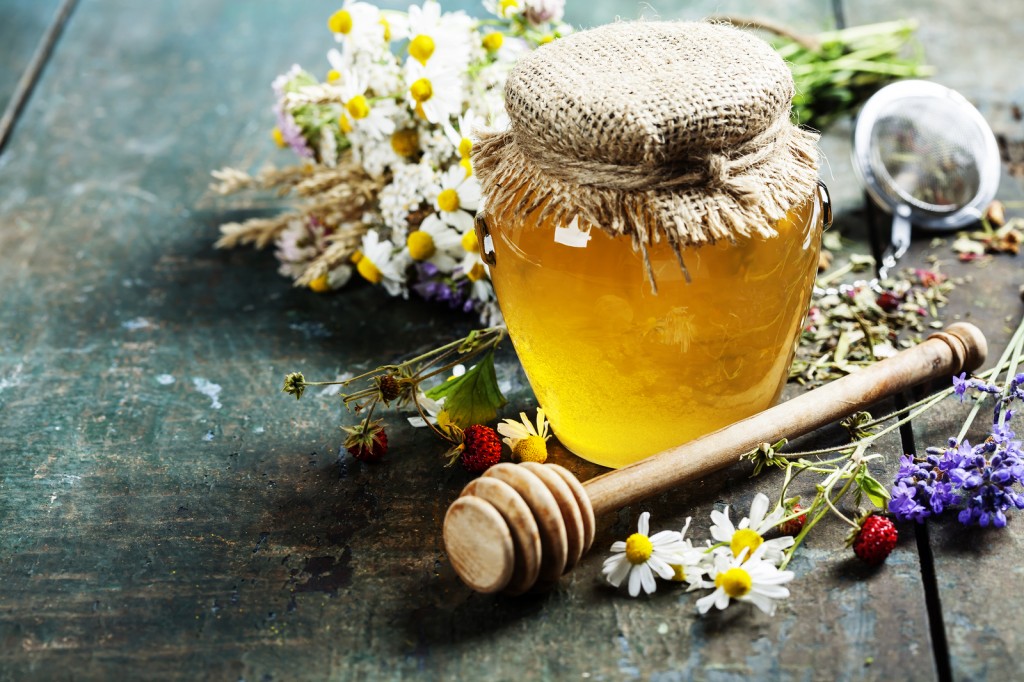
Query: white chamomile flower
374, 118
434, 242
746, 577
506, 9
462, 137
640, 557
457, 197
396, 25
693, 564
528, 442
435, 91
749, 534
378, 264
438, 37
332, 279
358, 27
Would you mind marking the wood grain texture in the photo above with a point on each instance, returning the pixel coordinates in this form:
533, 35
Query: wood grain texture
148, 534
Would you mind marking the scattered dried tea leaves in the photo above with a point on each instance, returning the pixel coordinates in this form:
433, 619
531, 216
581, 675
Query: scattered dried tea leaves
854, 325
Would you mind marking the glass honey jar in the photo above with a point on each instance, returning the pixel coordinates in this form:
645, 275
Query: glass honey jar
654, 284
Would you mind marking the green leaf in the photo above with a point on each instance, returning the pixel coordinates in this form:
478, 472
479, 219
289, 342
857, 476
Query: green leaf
474, 397
874, 490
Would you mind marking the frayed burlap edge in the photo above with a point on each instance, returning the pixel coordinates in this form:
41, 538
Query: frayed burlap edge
516, 187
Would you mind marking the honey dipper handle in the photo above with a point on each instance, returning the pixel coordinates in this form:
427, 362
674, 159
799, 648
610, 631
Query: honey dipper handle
961, 347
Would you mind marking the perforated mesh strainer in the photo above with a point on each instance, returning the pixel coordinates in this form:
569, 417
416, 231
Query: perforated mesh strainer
927, 155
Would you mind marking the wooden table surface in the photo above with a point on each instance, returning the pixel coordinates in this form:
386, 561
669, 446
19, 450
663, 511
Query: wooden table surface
149, 529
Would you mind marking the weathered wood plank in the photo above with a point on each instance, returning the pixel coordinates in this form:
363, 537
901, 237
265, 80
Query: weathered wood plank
971, 564
156, 531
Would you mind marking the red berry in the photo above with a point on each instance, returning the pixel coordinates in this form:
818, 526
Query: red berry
795, 524
481, 448
888, 301
367, 444
875, 540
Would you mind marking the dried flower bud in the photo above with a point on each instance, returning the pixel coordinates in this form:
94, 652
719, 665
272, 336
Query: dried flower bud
294, 384
389, 387
995, 214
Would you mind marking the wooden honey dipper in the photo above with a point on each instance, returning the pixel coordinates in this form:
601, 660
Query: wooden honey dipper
524, 525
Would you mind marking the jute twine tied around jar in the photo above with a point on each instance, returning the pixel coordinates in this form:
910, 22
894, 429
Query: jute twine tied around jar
653, 130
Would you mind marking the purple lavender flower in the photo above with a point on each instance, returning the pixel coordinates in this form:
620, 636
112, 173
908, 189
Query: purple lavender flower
983, 480
922, 487
960, 385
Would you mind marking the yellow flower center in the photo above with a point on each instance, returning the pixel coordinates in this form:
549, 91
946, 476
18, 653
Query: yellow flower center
678, 573
467, 166
492, 42
421, 48
421, 90
477, 272
356, 256
448, 200
321, 284
405, 142
465, 147
358, 107
278, 137
369, 271
344, 124
745, 539
736, 582
340, 22
506, 5
387, 29
333, 76
545, 39
421, 245
638, 548
470, 243
531, 449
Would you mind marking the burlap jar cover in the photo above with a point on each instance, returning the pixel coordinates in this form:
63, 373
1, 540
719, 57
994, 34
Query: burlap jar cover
651, 130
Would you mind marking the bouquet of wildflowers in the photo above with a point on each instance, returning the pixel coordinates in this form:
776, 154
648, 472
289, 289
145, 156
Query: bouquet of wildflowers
385, 140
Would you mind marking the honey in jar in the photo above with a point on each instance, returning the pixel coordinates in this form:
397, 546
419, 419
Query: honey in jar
653, 285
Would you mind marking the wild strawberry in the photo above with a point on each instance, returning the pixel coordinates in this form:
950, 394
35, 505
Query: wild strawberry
481, 448
795, 524
367, 443
875, 539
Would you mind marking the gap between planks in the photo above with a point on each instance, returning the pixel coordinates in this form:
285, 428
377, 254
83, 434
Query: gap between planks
30, 77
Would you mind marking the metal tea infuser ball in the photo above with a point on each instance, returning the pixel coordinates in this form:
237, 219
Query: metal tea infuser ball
925, 154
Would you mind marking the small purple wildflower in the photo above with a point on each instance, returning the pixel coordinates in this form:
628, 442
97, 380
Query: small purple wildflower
291, 132
434, 285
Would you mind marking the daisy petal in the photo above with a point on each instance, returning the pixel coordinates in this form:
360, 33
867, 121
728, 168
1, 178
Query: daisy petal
634, 581
643, 525
758, 508
661, 568
647, 579
761, 602
619, 574
704, 604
